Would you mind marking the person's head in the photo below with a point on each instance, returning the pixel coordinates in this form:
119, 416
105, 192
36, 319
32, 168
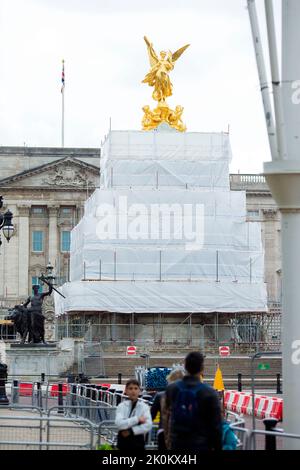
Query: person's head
176, 374
35, 290
132, 389
163, 54
194, 363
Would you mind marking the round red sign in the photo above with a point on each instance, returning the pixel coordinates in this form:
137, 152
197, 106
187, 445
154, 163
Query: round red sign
131, 350
224, 351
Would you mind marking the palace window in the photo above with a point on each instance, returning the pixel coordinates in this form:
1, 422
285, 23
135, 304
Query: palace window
65, 241
38, 241
38, 210
66, 211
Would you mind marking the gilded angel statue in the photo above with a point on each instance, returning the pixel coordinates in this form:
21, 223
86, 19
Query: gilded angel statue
161, 66
158, 77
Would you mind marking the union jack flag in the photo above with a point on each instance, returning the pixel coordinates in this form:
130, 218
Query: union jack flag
63, 76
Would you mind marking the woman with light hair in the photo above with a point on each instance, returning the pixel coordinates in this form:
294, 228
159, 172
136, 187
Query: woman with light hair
158, 406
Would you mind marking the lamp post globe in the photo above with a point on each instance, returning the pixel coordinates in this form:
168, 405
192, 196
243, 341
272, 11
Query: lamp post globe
6, 223
8, 227
49, 273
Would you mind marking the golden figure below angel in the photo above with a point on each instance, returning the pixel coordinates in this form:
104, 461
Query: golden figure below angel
158, 77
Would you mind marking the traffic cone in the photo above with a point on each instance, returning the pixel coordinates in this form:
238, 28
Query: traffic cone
218, 382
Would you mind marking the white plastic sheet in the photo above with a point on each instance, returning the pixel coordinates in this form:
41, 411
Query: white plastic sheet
165, 160
138, 272
162, 297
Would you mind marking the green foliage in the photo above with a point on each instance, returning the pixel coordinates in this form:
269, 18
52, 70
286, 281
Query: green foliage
105, 447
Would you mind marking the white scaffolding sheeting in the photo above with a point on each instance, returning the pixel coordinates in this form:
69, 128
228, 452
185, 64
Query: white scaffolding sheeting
166, 160
173, 261
163, 297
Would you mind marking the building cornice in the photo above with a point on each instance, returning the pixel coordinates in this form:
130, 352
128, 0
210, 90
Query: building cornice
49, 166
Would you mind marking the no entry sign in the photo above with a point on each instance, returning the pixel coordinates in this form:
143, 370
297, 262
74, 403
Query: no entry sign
131, 351
224, 351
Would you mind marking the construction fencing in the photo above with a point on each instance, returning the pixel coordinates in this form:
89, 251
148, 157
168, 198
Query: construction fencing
243, 337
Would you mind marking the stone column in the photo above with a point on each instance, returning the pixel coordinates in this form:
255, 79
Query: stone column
53, 235
24, 248
53, 250
272, 251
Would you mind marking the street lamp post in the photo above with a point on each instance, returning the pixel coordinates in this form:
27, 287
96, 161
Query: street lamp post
6, 223
49, 273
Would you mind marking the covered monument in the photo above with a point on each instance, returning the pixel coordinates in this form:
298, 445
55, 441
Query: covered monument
163, 235
125, 257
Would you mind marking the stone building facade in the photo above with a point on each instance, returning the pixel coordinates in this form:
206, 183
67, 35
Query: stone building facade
46, 188
262, 208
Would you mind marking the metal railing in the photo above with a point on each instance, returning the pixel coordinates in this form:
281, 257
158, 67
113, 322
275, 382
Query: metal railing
45, 433
251, 435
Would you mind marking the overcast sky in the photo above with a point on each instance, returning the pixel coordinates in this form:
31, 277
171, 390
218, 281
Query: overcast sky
102, 43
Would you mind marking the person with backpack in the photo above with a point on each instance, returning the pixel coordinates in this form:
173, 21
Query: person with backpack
133, 420
195, 411
158, 408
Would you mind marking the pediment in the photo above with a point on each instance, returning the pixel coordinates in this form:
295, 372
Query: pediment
64, 173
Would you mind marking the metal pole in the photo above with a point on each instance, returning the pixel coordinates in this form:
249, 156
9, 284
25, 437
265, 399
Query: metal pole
39, 395
270, 425
60, 398
250, 270
160, 265
63, 108
68, 333
240, 382
278, 105
278, 384
254, 357
115, 266
15, 392
63, 120
69, 269
283, 178
217, 266
100, 270
263, 77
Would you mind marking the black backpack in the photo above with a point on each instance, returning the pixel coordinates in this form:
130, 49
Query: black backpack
185, 412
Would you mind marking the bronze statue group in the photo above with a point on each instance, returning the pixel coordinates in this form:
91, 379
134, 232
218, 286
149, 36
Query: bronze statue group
29, 322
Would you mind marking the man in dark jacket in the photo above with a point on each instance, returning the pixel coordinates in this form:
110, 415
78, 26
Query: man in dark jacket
196, 422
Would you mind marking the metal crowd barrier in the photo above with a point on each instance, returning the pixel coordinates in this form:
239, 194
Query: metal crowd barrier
97, 404
13, 407
108, 431
45, 433
251, 434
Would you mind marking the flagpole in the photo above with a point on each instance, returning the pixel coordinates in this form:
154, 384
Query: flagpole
63, 106
63, 118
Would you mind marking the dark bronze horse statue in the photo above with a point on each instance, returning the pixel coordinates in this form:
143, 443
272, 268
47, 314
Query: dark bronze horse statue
21, 318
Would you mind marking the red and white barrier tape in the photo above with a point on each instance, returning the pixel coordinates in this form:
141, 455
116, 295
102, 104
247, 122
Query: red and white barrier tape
264, 407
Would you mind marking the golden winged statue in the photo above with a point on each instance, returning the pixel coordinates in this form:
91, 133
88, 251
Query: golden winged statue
158, 77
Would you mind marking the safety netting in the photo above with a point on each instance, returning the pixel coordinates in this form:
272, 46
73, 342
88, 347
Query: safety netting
164, 233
